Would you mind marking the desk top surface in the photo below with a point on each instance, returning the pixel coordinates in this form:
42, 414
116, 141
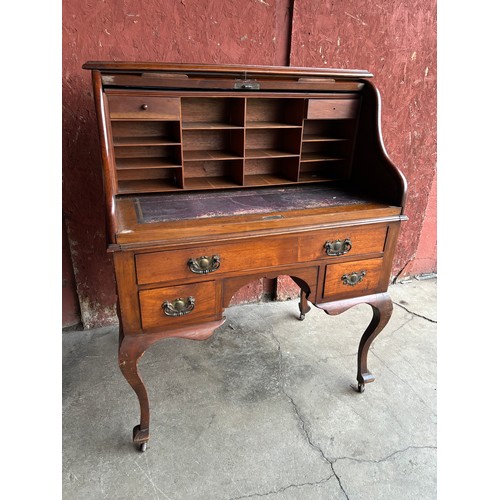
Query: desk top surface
231, 202
175, 219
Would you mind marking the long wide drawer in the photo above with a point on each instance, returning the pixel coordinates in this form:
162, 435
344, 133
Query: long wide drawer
172, 265
341, 242
173, 306
350, 279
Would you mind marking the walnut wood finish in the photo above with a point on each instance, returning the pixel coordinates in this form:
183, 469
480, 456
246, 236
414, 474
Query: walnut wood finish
260, 141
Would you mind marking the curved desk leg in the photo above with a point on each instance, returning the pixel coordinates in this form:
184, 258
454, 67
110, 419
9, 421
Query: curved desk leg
129, 353
130, 350
381, 305
382, 312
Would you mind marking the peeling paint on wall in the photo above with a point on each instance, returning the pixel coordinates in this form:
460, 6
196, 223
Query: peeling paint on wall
393, 39
206, 31
396, 41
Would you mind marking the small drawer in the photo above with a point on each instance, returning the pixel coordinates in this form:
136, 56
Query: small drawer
342, 242
144, 107
210, 261
355, 278
173, 306
332, 108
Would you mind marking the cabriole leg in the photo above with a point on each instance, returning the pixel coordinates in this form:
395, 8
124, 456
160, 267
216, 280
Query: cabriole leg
382, 311
129, 354
132, 347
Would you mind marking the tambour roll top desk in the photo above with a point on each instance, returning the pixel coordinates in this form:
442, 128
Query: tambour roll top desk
215, 176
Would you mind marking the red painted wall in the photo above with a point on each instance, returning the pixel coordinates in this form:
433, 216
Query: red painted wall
394, 40
208, 31
70, 306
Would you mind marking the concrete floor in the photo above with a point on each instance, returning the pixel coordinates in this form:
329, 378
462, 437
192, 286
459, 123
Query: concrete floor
262, 408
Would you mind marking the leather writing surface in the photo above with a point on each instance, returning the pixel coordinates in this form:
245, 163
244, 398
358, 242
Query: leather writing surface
181, 206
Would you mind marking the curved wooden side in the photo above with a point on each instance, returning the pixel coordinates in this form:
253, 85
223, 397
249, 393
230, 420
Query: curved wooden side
372, 168
107, 155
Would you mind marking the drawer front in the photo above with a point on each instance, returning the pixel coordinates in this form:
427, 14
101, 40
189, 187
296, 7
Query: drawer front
332, 108
335, 243
147, 108
352, 279
176, 305
189, 263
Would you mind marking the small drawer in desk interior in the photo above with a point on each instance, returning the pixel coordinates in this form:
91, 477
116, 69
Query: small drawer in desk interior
354, 278
342, 242
143, 107
328, 109
175, 305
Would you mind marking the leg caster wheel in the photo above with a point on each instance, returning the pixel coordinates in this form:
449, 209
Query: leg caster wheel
302, 317
140, 438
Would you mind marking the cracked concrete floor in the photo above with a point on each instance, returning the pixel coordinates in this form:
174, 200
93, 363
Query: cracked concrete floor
262, 408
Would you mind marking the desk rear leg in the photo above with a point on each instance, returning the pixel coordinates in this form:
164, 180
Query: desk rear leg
304, 306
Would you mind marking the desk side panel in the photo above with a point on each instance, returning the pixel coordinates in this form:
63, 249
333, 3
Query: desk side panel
372, 170
107, 155
128, 296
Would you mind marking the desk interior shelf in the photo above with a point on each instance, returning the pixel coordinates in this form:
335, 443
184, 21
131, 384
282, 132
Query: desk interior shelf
222, 142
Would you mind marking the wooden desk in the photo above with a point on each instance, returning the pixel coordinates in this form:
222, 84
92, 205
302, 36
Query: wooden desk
216, 176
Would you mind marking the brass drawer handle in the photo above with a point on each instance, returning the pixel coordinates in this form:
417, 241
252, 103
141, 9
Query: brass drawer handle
338, 247
204, 265
178, 307
353, 278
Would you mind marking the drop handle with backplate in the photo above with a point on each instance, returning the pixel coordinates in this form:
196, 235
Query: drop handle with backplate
178, 307
338, 247
353, 278
204, 264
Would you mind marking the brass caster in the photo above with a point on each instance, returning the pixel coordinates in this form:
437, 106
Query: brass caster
140, 437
